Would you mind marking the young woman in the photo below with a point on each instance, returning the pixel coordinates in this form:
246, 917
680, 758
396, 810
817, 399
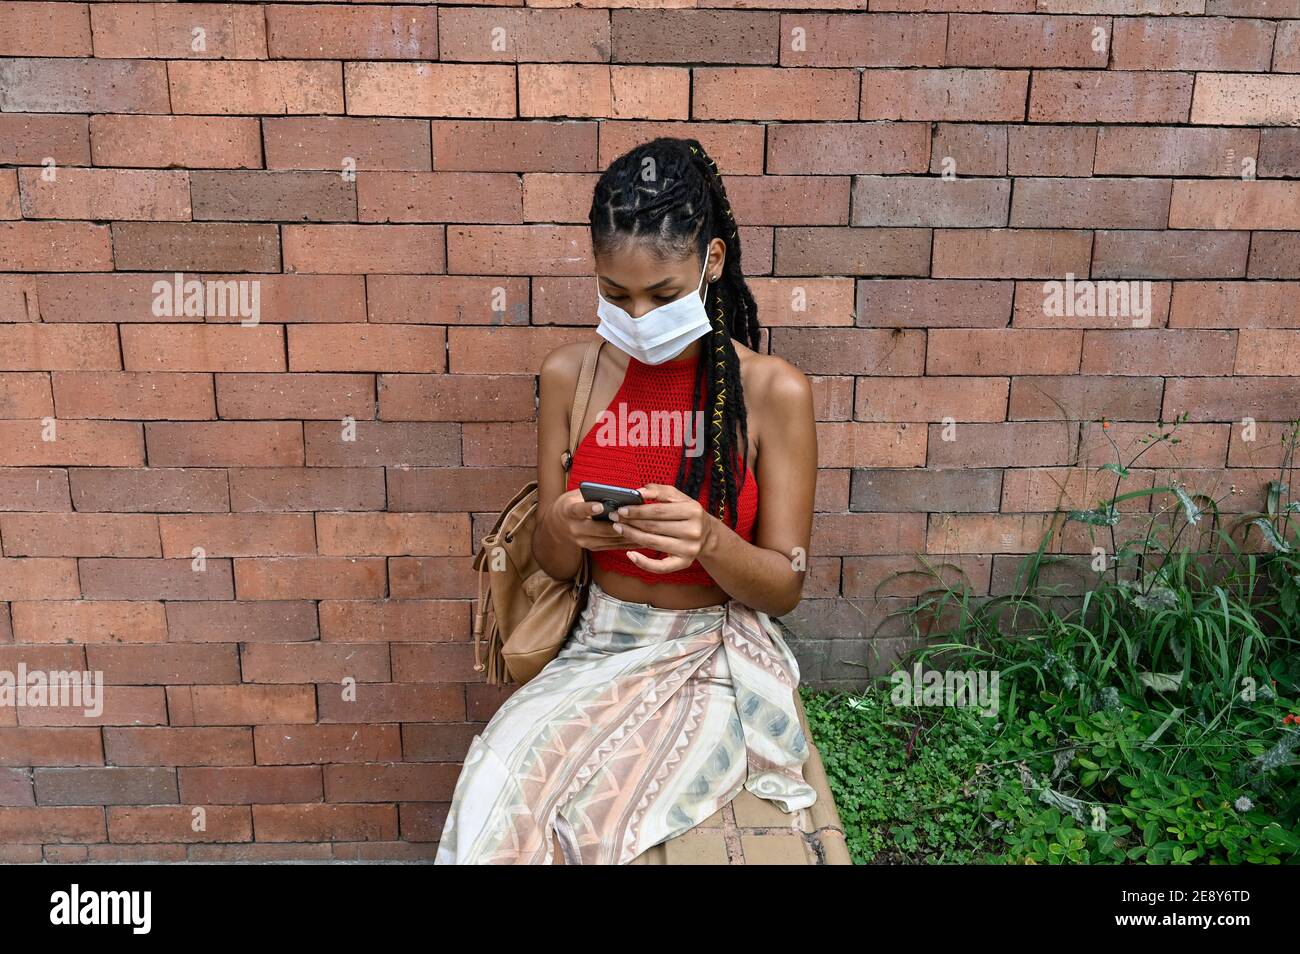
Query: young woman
674, 689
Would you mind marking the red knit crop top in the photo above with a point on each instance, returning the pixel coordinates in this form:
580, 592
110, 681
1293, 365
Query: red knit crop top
634, 443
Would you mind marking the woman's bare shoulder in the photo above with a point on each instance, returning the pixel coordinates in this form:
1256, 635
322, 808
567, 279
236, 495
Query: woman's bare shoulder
770, 379
563, 363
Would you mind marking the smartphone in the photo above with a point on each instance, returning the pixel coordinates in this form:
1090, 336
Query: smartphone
612, 497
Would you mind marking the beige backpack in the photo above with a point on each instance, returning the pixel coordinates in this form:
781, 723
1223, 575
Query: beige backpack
531, 612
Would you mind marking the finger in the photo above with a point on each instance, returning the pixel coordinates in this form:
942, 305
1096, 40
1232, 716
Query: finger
662, 492
651, 541
669, 528
666, 565
582, 508
655, 511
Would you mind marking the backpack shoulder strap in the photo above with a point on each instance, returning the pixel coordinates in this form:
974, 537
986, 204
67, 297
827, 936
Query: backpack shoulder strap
581, 397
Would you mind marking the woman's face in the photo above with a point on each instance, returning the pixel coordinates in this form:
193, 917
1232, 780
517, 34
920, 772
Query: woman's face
639, 282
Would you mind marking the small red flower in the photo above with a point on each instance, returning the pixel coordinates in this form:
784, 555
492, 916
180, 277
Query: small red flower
1290, 719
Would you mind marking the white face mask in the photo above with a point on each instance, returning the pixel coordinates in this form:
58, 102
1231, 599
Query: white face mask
659, 335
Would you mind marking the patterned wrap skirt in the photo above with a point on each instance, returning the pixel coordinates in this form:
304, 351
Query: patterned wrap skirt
646, 723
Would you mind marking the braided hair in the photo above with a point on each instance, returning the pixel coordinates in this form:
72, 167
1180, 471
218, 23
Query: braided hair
669, 193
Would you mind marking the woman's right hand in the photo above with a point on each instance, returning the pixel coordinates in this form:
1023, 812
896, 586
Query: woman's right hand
570, 519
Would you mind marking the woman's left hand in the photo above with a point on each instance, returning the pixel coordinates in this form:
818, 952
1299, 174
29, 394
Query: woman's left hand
675, 524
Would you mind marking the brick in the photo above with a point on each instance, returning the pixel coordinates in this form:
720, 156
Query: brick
169, 665
1110, 97
904, 490
253, 784
25, 746
398, 444
25, 395
326, 142
439, 197
505, 350
1232, 399
29, 139
396, 620
442, 397
855, 39
852, 444
1173, 151
352, 33
149, 490
1051, 150
164, 745
454, 489
89, 621
367, 348
310, 578
61, 85
1286, 55
202, 348
44, 29
1274, 255
242, 622
1010, 253
196, 246
315, 662
1279, 152
851, 351
1188, 44
1225, 99
142, 395
361, 534
1013, 40
932, 399
541, 36
362, 249
1234, 305
867, 533
296, 488
984, 533
39, 347
737, 147
1019, 444
1091, 203
140, 579
969, 149
224, 444
448, 299
494, 146
768, 93
512, 249
74, 443
38, 578
251, 88
1170, 254
310, 823
1085, 398
920, 303
156, 142
237, 534
616, 92
1173, 353
429, 89
34, 489
79, 535
817, 251
165, 31
846, 148
52, 825
1087, 304
322, 744
241, 705
149, 824
926, 201
993, 351
1260, 204
295, 396
273, 196
1259, 351
61, 246
946, 95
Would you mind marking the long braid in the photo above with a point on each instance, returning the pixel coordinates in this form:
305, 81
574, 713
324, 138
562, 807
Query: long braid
669, 191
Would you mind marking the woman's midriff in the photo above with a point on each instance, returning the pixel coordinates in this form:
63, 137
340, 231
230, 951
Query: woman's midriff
661, 595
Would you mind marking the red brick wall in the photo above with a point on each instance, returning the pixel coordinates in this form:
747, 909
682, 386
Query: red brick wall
1112, 139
